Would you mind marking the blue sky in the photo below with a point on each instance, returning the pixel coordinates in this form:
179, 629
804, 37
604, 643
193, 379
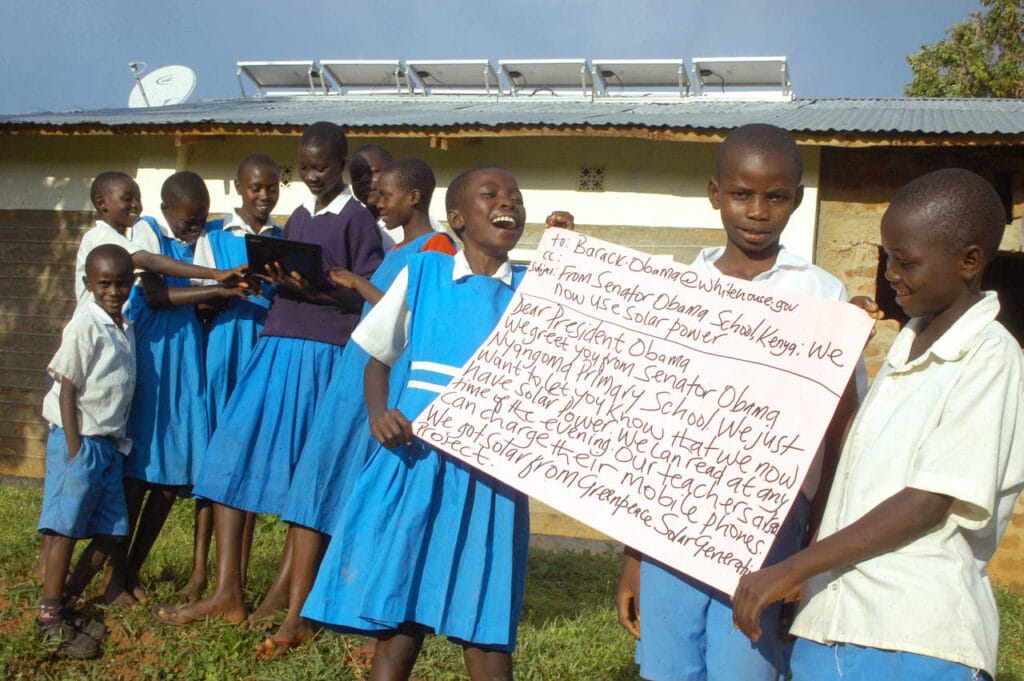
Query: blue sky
74, 54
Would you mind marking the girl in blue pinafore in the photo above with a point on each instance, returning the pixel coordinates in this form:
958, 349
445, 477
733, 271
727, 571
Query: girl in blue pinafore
426, 543
234, 328
339, 440
167, 422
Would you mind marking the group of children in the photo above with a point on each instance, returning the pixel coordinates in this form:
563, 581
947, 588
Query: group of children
297, 401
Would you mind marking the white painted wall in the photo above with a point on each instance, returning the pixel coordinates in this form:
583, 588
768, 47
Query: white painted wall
648, 183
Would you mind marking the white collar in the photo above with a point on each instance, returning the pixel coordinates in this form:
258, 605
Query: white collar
954, 343
783, 260
461, 269
103, 224
166, 230
333, 207
235, 223
92, 308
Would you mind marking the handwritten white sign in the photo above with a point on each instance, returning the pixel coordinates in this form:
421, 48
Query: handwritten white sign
674, 410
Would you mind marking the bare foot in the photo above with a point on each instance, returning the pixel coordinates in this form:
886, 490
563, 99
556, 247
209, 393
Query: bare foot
232, 613
194, 588
115, 593
139, 592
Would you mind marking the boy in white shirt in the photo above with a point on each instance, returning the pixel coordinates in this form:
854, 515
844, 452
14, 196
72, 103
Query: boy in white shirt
118, 203
87, 408
896, 585
687, 632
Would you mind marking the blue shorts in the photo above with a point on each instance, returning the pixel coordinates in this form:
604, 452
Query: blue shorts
686, 629
814, 661
85, 497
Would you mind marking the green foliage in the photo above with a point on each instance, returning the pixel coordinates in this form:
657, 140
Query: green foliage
982, 57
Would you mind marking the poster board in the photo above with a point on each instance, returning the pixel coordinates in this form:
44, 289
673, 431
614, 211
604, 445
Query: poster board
673, 409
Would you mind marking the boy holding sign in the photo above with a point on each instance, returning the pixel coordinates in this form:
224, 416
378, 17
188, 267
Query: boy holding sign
687, 626
896, 585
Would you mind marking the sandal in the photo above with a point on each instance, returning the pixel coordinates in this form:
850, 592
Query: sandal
274, 648
69, 641
92, 628
168, 614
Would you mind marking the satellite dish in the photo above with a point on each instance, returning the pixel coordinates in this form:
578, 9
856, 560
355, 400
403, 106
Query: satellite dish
164, 86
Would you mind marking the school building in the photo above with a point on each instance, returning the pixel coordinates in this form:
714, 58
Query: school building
633, 171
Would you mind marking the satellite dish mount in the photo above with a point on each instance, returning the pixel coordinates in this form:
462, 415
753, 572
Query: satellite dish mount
138, 67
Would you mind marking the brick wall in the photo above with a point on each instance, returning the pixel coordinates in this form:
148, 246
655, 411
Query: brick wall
37, 253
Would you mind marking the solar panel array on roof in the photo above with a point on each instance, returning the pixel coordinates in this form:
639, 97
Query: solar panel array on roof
579, 77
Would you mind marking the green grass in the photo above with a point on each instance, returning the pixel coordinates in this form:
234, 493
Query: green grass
568, 629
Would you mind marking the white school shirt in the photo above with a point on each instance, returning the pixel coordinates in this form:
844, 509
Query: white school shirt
98, 356
204, 256
101, 233
951, 422
384, 332
144, 238
792, 273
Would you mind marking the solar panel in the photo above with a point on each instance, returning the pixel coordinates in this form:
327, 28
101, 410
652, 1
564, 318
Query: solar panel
546, 76
455, 76
367, 76
641, 77
282, 77
753, 73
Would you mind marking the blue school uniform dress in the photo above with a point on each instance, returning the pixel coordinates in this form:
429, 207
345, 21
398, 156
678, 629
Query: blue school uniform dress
233, 333
425, 538
167, 423
253, 451
340, 437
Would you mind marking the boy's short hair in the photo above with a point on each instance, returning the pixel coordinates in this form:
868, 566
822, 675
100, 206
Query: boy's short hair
327, 135
101, 185
110, 253
457, 186
760, 139
377, 149
184, 186
960, 207
413, 173
256, 160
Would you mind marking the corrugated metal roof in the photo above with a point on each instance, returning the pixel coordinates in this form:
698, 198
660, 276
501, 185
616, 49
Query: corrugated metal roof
866, 116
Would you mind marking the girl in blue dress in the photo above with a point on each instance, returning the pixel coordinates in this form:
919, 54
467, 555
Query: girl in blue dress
252, 455
339, 440
232, 327
425, 542
167, 422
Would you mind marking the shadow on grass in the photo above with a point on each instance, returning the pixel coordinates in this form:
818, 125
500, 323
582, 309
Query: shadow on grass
561, 584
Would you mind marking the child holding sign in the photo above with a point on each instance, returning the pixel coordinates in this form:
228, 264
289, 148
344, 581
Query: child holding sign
687, 626
427, 543
896, 585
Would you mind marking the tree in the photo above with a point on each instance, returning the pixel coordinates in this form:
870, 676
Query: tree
982, 57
